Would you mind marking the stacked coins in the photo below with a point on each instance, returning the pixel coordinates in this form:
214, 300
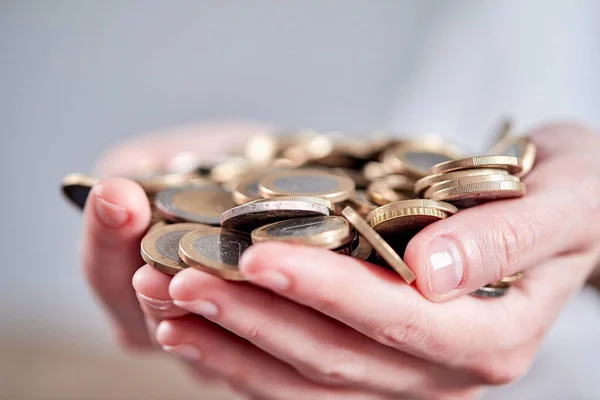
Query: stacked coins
360, 197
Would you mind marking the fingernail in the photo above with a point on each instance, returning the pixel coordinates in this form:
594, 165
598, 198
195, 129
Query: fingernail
110, 214
187, 351
202, 307
157, 304
271, 279
445, 265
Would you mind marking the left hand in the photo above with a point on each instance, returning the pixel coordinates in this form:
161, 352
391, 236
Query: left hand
316, 323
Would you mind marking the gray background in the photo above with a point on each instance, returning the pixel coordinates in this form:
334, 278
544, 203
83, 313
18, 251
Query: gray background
78, 76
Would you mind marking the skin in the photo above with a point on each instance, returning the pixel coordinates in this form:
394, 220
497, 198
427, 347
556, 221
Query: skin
315, 324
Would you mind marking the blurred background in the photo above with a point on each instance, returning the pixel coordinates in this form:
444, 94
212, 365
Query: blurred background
77, 77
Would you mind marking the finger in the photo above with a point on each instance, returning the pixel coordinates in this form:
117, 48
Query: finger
243, 365
374, 301
483, 244
324, 350
206, 141
116, 217
152, 290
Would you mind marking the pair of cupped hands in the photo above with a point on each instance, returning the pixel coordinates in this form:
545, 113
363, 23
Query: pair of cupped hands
312, 324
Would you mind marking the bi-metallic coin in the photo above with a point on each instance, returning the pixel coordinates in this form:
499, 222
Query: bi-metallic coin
202, 204
216, 251
512, 164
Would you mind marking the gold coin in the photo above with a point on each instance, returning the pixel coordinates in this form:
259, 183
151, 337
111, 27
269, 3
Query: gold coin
467, 180
375, 170
307, 182
246, 190
521, 147
324, 231
203, 204
216, 251
364, 249
512, 278
422, 184
472, 194
257, 213
76, 188
511, 164
160, 246
391, 188
380, 245
415, 158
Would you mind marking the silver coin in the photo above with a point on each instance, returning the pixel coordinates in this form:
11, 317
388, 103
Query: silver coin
202, 204
424, 160
257, 213
488, 291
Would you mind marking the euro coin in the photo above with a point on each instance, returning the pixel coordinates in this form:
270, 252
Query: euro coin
364, 249
325, 231
307, 182
391, 188
512, 278
76, 188
509, 163
203, 204
520, 147
380, 245
424, 183
257, 213
475, 193
216, 251
400, 221
246, 191
374, 170
467, 180
498, 290
152, 184
160, 246
415, 158
360, 202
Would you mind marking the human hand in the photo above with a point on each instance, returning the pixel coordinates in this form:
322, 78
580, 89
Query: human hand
316, 324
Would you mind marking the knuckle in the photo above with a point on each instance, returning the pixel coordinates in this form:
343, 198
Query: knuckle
329, 372
501, 370
399, 334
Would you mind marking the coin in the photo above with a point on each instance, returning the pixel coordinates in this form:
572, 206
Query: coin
380, 245
474, 193
374, 170
360, 181
363, 250
156, 225
422, 184
230, 169
246, 190
216, 251
154, 183
257, 213
497, 290
360, 202
203, 204
324, 231
512, 278
415, 158
391, 188
261, 148
398, 223
76, 188
521, 147
467, 180
307, 182
511, 164
160, 246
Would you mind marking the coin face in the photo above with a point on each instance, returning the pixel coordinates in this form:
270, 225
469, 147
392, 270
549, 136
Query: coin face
216, 251
76, 188
424, 183
475, 193
323, 231
391, 188
520, 147
467, 180
307, 182
257, 213
511, 164
160, 246
203, 204
415, 158
380, 245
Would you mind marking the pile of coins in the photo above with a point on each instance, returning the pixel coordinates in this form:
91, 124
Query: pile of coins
363, 198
